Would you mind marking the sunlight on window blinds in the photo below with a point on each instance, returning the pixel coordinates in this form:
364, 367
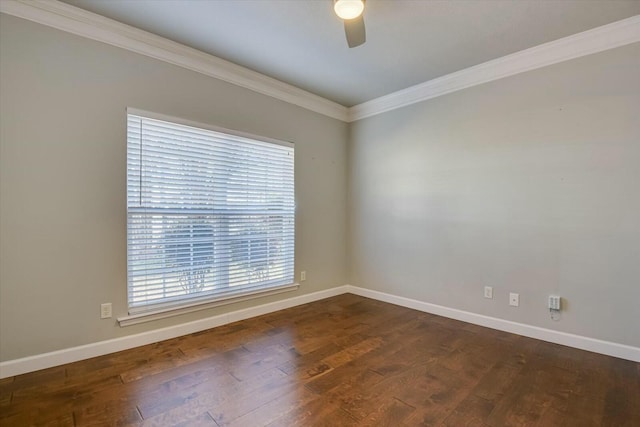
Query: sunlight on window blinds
209, 214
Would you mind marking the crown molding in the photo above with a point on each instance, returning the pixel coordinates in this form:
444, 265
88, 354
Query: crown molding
77, 21
596, 40
96, 27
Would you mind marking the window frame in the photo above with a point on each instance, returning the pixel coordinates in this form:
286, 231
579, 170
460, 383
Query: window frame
158, 310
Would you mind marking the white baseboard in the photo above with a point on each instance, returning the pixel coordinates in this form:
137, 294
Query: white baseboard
584, 343
61, 357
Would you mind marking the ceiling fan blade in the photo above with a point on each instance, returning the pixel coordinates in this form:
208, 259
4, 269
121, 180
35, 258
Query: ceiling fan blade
354, 30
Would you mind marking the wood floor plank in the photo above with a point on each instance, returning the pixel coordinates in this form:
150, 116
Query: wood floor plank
202, 420
275, 409
108, 413
195, 401
390, 413
63, 394
320, 412
50, 376
353, 388
302, 362
622, 399
5, 399
180, 419
198, 394
435, 393
532, 393
255, 362
470, 412
243, 403
161, 400
342, 361
39, 417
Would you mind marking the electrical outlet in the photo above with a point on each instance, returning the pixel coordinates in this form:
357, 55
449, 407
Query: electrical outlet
488, 292
105, 310
514, 299
554, 302
303, 276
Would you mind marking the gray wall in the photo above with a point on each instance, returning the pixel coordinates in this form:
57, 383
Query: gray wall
529, 184
63, 158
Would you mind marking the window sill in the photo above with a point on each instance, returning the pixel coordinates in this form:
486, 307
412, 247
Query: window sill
149, 316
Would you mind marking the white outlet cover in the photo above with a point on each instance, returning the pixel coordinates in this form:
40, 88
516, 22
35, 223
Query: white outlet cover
488, 292
514, 299
105, 311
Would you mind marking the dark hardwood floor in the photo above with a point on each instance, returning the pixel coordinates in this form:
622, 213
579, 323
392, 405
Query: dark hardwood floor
343, 361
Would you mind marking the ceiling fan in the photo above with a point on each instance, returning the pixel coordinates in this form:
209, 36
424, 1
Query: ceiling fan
351, 11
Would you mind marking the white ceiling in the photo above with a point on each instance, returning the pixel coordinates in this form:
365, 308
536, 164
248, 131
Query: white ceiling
301, 42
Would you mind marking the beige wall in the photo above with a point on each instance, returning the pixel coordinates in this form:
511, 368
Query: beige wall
529, 184
62, 178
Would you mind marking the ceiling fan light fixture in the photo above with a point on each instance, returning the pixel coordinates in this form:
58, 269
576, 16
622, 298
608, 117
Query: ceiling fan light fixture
348, 9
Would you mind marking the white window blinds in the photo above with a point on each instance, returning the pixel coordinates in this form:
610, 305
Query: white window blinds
209, 214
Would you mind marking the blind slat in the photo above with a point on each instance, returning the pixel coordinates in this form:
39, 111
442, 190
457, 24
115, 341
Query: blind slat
208, 213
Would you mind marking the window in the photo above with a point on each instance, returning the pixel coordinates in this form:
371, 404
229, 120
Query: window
210, 214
